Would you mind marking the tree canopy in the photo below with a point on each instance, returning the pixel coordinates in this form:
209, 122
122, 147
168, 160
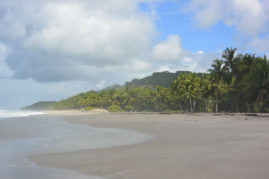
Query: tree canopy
234, 83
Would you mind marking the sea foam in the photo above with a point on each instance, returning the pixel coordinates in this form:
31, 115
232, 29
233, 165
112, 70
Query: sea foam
4, 114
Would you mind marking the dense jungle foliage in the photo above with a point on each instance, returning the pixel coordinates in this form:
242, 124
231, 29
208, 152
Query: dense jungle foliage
234, 83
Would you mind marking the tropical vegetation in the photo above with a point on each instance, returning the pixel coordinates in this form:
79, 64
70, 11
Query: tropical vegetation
234, 83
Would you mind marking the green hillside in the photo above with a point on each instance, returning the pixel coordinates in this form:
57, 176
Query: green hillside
41, 105
162, 79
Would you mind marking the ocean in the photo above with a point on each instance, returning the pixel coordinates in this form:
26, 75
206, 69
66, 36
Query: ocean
4, 114
25, 133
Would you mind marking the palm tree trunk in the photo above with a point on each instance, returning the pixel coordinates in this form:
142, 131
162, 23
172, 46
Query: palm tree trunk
247, 107
180, 107
236, 103
191, 105
217, 105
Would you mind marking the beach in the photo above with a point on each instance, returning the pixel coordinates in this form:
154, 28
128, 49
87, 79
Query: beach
180, 146
28, 134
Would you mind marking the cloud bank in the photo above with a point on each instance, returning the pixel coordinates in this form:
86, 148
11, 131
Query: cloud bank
169, 50
69, 40
250, 18
170, 56
99, 41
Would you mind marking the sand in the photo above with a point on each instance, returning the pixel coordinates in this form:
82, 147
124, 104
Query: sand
182, 146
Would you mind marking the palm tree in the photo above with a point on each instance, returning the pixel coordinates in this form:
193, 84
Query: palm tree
206, 93
219, 70
187, 87
243, 66
230, 58
159, 98
256, 84
216, 90
242, 70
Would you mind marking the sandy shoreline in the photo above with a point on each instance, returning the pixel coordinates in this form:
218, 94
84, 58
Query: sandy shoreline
184, 146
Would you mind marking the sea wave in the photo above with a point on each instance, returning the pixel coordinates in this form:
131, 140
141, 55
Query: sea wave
14, 114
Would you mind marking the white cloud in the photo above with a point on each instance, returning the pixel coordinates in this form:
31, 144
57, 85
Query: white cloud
4, 69
59, 40
166, 68
76, 39
189, 61
139, 66
168, 50
200, 52
260, 44
171, 57
250, 18
74, 30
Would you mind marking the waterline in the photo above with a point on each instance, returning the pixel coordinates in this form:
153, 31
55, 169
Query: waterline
45, 134
5, 114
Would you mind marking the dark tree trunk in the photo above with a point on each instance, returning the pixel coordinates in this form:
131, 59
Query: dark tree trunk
191, 105
217, 105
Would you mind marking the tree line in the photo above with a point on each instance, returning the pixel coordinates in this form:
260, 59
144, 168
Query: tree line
234, 83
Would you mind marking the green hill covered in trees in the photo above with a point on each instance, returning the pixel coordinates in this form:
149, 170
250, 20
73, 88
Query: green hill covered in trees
234, 83
163, 79
41, 105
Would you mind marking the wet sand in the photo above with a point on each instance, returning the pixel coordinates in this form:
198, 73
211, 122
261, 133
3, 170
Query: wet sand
183, 146
43, 134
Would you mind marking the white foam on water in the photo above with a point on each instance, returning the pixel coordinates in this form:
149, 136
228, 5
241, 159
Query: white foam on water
4, 114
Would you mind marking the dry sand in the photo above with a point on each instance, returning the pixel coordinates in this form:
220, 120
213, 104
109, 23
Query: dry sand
183, 146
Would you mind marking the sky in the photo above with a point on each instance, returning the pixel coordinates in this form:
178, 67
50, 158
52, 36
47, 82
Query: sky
53, 49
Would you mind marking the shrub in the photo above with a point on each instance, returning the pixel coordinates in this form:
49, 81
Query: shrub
89, 108
115, 108
128, 108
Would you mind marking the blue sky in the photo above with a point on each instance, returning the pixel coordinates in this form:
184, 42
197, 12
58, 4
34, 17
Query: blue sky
173, 19
52, 49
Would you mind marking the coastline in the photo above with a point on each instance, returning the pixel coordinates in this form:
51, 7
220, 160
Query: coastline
75, 112
183, 146
44, 134
72, 112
